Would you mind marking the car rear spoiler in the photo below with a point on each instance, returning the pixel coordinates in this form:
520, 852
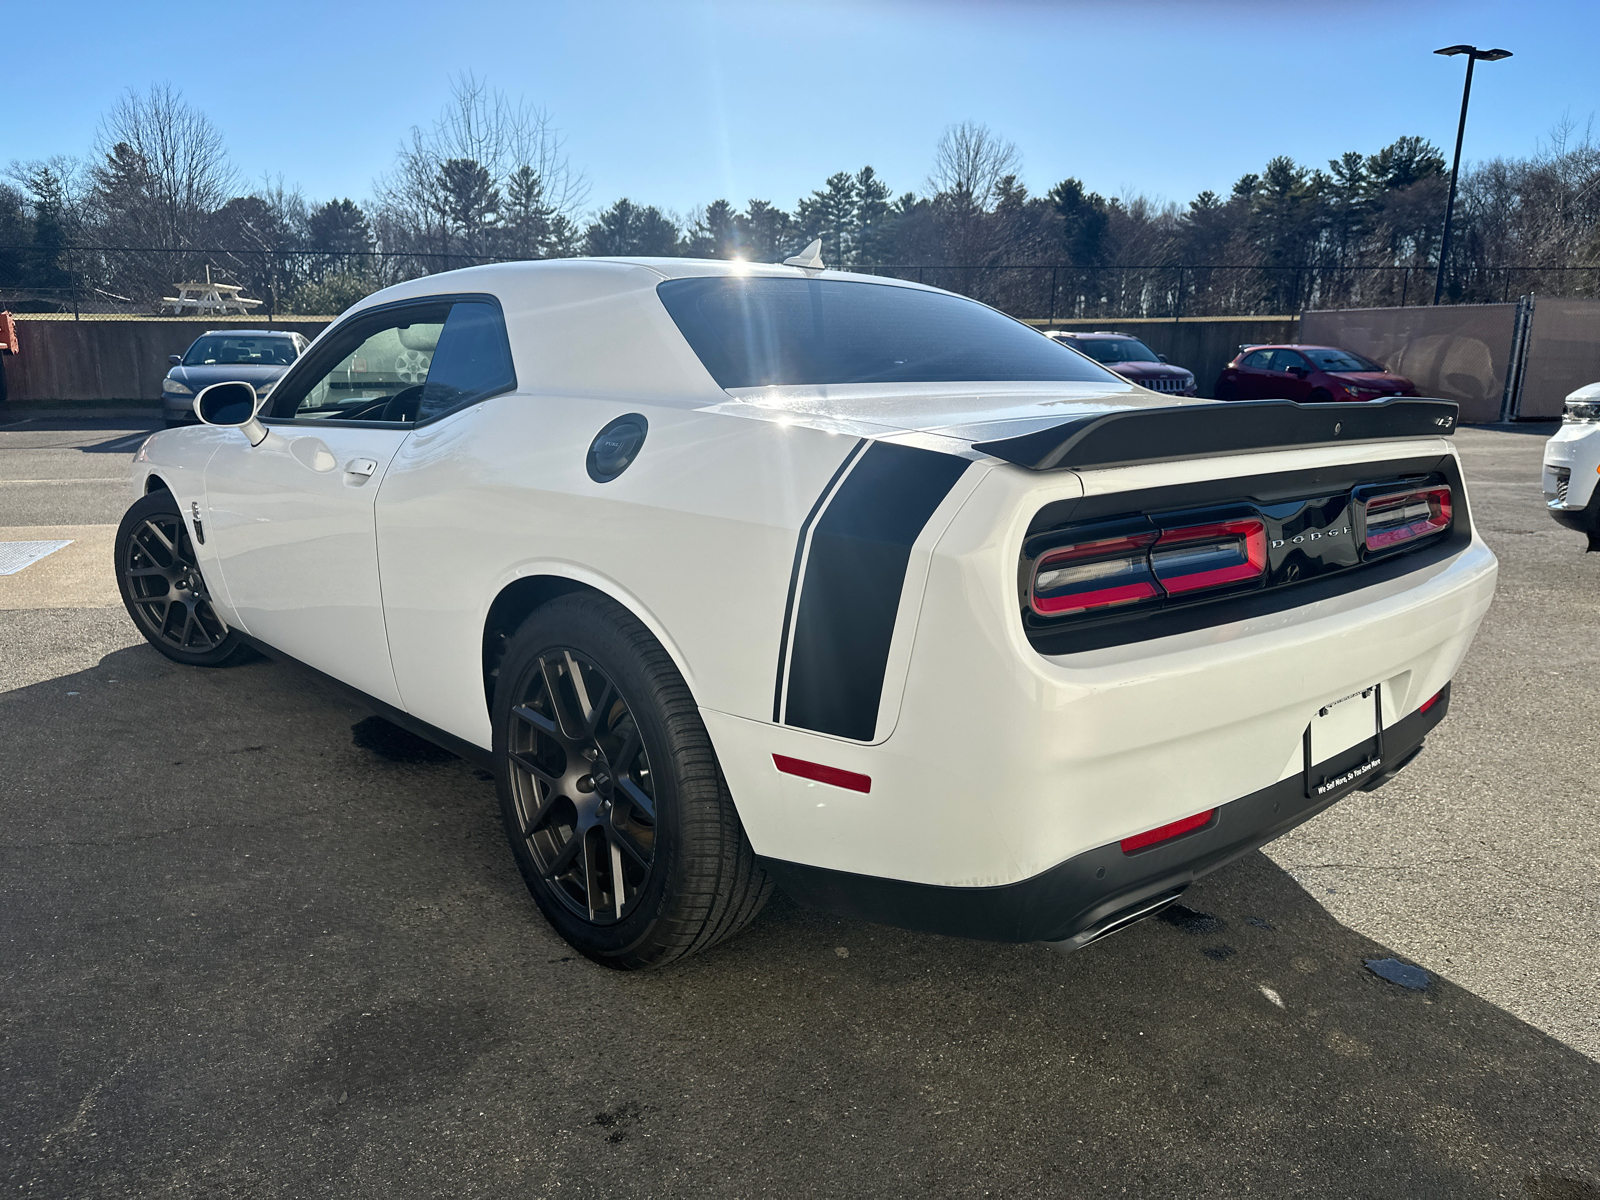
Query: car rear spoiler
1141, 435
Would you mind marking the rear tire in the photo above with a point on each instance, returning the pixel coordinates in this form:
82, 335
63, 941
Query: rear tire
612, 799
1227, 391
163, 589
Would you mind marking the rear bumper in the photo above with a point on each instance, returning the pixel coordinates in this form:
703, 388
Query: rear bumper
1100, 890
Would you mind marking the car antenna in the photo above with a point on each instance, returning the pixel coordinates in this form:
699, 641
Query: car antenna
809, 259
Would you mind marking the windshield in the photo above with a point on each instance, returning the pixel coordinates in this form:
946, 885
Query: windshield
773, 331
228, 350
1115, 350
1340, 360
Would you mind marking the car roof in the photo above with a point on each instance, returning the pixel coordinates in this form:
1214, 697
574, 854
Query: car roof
1096, 333
283, 333
524, 280
1254, 346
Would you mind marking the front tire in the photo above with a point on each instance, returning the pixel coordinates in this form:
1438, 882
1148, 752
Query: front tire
163, 589
613, 802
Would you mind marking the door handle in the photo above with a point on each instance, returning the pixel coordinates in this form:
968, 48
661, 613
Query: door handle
363, 467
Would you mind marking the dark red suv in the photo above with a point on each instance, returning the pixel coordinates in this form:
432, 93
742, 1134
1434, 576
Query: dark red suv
1309, 374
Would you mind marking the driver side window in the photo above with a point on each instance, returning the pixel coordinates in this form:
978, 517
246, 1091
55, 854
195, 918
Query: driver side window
378, 375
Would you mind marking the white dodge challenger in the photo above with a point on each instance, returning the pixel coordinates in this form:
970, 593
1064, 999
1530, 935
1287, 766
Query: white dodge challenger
741, 575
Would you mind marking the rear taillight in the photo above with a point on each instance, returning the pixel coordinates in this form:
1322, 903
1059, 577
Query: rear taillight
1193, 557
1395, 518
1110, 572
1102, 573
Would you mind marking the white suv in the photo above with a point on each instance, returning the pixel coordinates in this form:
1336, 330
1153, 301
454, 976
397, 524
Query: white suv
1572, 465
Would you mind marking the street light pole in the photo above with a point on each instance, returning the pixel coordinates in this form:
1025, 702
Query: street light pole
1473, 55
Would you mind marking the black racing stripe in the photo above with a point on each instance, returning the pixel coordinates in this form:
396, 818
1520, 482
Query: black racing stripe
853, 578
794, 574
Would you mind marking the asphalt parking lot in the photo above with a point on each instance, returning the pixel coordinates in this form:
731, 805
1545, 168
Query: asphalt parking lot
255, 943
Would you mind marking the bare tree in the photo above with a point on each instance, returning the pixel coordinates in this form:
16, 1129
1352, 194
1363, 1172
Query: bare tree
969, 163
167, 161
519, 151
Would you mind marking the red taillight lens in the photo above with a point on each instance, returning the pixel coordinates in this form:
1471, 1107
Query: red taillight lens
1431, 701
1400, 517
1208, 556
1114, 571
1097, 574
1166, 833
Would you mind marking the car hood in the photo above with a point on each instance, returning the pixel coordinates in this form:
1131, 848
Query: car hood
198, 377
1147, 370
1370, 378
944, 412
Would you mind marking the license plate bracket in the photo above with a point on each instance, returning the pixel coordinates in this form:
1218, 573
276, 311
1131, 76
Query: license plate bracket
1343, 744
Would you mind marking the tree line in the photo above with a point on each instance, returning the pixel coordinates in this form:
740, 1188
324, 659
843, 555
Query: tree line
158, 201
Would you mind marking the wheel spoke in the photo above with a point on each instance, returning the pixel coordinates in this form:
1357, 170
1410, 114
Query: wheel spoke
531, 825
618, 887
591, 885
571, 725
532, 768
621, 839
597, 713
623, 759
537, 719
580, 689
564, 859
637, 795
152, 527
141, 572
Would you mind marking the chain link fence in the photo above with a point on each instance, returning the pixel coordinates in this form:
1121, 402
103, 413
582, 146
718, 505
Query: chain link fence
134, 280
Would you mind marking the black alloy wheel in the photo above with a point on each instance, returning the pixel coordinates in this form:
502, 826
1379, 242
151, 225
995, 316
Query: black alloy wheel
581, 783
163, 589
612, 799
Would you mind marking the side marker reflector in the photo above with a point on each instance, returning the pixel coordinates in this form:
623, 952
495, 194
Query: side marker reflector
1431, 701
829, 775
1165, 833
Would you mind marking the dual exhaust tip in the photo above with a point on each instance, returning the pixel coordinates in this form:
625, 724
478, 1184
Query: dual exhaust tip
1119, 920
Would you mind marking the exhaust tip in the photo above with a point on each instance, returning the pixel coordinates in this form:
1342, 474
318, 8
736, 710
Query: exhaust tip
1119, 920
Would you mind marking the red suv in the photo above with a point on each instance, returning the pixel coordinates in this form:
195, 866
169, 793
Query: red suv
1309, 374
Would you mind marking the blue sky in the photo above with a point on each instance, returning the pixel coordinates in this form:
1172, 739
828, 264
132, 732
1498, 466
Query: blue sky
678, 103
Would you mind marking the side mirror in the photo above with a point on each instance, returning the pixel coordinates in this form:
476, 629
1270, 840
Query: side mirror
231, 406
1298, 372
1162, 357
175, 359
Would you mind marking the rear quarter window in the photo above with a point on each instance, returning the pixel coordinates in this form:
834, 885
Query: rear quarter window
764, 332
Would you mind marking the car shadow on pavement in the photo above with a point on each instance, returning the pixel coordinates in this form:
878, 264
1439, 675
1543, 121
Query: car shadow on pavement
255, 946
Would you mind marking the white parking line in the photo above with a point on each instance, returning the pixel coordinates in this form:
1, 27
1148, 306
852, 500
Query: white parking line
18, 556
96, 479
131, 439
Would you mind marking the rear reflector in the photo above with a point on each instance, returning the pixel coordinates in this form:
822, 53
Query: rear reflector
1208, 556
1097, 574
1150, 837
1400, 517
1431, 701
822, 774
